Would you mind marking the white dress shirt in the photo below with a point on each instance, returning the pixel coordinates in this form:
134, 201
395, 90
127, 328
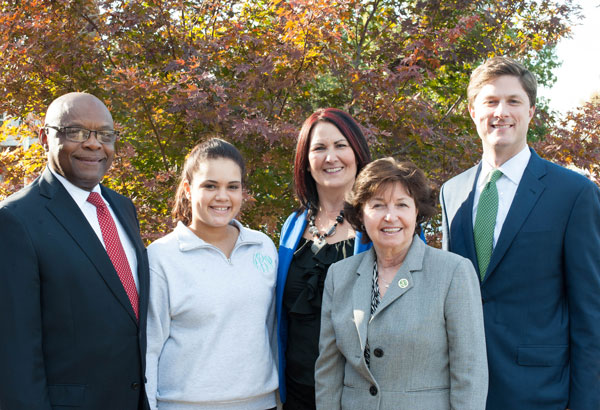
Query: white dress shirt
80, 197
512, 172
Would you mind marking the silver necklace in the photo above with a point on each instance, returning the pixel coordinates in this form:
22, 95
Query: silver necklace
385, 282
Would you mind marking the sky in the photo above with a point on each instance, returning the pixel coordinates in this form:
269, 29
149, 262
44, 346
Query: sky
579, 75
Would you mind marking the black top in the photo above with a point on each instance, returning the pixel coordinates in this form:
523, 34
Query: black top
302, 298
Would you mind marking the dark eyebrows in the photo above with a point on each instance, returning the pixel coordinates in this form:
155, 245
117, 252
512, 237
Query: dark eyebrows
498, 97
77, 123
319, 143
212, 181
380, 198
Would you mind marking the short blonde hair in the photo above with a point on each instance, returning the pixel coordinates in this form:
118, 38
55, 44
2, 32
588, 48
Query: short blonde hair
496, 67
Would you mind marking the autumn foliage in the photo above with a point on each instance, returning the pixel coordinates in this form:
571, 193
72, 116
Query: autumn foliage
575, 141
175, 72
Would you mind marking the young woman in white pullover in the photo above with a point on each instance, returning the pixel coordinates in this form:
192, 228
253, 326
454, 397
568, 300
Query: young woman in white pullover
212, 308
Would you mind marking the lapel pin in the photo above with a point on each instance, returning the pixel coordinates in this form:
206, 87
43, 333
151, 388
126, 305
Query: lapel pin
402, 283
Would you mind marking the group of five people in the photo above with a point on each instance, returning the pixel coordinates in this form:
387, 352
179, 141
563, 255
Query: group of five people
352, 311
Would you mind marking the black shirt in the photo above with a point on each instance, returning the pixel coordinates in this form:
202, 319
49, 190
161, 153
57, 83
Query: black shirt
302, 298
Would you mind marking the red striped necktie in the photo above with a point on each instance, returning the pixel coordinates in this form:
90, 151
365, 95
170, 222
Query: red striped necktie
114, 248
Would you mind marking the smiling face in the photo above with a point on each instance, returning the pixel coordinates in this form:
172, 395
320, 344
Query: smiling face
84, 164
332, 162
389, 218
502, 112
215, 194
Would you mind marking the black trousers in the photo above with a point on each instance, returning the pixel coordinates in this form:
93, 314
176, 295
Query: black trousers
299, 396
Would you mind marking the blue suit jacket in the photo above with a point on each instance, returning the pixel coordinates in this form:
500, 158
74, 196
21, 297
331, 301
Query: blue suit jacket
292, 231
541, 292
70, 338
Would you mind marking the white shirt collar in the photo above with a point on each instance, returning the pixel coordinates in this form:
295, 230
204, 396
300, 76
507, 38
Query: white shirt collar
79, 195
512, 169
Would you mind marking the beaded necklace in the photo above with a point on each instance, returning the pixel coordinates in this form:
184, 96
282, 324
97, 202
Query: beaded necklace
314, 231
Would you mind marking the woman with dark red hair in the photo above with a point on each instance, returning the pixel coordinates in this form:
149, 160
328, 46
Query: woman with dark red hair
330, 152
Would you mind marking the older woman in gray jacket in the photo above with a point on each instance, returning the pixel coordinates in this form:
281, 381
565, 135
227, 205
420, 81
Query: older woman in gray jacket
402, 324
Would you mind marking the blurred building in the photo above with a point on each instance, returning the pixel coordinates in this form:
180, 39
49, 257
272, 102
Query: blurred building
13, 140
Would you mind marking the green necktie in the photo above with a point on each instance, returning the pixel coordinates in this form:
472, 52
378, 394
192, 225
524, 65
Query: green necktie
485, 221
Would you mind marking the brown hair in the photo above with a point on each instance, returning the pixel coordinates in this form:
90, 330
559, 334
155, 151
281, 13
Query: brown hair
305, 185
380, 174
212, 149
496, 67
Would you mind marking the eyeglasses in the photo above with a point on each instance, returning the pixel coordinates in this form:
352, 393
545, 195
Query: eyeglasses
77, 134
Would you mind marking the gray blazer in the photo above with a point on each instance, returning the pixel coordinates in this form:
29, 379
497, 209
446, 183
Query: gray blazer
426, 337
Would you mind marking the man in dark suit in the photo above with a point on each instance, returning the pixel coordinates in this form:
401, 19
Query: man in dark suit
532, 230
74, 276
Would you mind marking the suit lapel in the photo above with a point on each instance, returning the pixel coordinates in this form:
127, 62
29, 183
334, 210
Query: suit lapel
528, 192
68, 214
403, 280
465, 219
361, 296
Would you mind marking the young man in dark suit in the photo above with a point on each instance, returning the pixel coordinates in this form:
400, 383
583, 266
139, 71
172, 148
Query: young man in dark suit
74, 276
532, 230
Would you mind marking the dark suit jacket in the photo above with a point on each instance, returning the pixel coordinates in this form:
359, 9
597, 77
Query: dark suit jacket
70, 339
541, 292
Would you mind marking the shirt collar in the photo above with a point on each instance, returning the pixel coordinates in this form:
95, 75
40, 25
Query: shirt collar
512, 169
79, 195
188, 240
